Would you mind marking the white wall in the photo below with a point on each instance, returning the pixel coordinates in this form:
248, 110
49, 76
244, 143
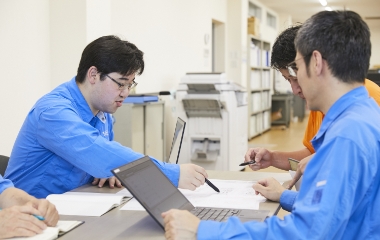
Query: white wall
170, 33
24, 63
375, 40
68, 37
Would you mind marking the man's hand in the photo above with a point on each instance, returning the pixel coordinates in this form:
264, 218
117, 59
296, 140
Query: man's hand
18, 221
262, 156
300, 170
269, 188
180, 224
191, 176
112, 182
47, 210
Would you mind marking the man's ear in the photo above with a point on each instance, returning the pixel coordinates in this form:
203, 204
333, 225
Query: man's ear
91, 74
317, 61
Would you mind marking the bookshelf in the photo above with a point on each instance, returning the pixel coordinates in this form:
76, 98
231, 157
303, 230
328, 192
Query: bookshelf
258, 86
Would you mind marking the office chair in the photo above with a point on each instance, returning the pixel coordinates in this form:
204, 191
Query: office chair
3, 164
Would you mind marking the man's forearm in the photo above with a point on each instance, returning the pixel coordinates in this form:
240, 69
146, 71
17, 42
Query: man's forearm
13, 196
280, 159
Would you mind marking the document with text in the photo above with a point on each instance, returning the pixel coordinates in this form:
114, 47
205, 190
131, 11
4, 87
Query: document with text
233, 194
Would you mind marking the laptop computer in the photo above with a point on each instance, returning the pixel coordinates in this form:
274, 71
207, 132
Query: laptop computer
157, 194
177, 141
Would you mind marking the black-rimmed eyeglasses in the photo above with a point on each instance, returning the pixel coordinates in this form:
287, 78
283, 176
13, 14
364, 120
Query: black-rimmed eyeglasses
122, 87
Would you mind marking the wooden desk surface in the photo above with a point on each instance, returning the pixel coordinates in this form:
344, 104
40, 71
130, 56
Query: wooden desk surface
138, 224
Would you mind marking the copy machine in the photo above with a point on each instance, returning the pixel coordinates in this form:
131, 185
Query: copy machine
215, 110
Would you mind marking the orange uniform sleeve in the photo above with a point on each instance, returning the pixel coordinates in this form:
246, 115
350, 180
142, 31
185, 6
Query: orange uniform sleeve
315, 117
313, 124
373, 90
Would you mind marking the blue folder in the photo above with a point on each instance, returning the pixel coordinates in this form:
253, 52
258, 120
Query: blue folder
140, 99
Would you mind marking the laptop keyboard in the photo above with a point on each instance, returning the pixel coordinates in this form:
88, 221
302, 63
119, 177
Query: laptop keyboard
219, 215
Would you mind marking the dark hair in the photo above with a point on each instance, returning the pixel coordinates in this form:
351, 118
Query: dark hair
342, 38
110, 54
284, 50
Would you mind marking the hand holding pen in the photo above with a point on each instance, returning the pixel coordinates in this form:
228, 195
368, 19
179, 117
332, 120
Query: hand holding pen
13, 219
192, 176
262, 158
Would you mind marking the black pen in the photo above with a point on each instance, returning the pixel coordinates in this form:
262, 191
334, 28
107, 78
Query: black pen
212, 185
247, 163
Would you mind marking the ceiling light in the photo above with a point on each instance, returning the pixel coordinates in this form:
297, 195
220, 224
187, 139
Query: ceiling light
328, 9
323, 2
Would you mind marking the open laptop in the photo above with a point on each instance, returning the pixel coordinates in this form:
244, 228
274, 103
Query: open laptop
177, 141
157, 194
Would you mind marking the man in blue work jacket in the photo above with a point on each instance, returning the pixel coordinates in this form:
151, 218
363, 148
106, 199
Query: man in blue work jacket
339, 196
66, 140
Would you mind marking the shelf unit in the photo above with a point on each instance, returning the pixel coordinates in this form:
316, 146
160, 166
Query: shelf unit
284, 102
259, 86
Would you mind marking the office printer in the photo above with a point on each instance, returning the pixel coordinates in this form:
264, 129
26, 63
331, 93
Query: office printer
215, 110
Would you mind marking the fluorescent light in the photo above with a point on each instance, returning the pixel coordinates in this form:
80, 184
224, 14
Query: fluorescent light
323, 2
328, 9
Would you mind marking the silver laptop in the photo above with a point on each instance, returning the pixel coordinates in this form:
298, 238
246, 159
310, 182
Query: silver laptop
177, 141
157, 194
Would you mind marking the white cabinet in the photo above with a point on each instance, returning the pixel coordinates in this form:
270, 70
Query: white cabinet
258, 86
141, 127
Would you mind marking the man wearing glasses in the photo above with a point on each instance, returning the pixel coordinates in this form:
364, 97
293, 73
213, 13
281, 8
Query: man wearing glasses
282, 59
339, 197
67, 139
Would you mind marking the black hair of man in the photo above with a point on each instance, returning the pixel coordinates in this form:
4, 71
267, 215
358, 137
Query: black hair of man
342, 38
110, 54
284, 50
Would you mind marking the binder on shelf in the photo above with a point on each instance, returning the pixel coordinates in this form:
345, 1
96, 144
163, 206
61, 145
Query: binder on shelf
255, 80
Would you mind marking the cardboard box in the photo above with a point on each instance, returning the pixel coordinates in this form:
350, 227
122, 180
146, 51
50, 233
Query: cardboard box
254, 26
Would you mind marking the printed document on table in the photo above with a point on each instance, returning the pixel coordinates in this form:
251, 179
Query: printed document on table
233, 194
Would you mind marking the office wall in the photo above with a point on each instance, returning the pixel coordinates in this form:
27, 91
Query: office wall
74, 24
375, 41
172, 35
68, 37
24, 63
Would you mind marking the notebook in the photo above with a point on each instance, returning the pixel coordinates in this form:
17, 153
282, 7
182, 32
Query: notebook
86, 203
177, 141
61, 228
157, 194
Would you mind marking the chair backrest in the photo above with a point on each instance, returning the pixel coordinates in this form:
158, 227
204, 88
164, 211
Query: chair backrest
3, 164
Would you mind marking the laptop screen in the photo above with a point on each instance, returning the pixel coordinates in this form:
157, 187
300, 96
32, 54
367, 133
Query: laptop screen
177, 141
154, 191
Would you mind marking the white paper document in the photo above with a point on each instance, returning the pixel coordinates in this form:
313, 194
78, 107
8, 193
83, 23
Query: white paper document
85, 203
233, 194
133, 205
124, 192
